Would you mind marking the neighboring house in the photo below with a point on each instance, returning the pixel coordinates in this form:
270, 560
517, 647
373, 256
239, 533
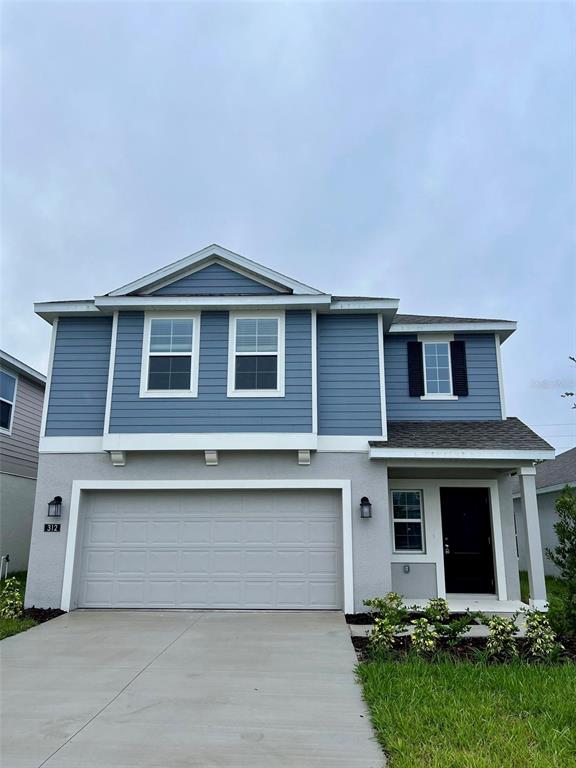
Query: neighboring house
551, 478
21, 397
223, 436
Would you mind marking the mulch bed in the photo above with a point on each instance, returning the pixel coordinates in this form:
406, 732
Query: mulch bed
368, 618
467, 649
41, 615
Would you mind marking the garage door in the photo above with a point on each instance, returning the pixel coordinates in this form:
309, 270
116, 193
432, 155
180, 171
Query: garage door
206, 549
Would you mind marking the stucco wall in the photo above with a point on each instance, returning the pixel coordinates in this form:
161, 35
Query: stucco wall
16, 509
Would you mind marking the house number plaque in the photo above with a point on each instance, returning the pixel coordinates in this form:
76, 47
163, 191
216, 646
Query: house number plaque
51, 527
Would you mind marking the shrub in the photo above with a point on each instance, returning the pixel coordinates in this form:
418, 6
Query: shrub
10, 599
390, 607
454, 630
424, 638
501, 641
437, 611
541, 641
383, 633
564, 553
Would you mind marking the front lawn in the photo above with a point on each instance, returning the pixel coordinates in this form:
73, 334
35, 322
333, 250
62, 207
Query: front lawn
14, 626
459, 714
553, 587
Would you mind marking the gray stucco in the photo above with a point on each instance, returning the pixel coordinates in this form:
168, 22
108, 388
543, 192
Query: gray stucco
548, 517
482, 402
419, 582
16, 511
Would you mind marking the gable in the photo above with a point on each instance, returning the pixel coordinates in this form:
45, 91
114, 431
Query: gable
214, 279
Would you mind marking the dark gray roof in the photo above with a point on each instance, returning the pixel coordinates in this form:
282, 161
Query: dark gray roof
432, 319
510, 434
556, 472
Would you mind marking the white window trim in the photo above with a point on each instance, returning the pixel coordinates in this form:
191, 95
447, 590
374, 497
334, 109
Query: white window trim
421, 551
3, 430
195, 355
436, 338
280, 354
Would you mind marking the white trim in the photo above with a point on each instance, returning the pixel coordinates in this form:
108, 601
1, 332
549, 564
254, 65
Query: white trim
505, 327
550, 488
433, 527
345, 443
13, 375
49, 310
48, 379
344, 486
382, 376
111, 367
314, 345
435, 338
277, 301
438, 395
22, 368
194, 356
208, 263
438, 338
231, 441
459, 453
231, 391
531, 470
407, 552
212, 251
70, 445
361, 305
498, 344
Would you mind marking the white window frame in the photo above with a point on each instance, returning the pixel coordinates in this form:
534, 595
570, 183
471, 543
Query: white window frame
394, 520
4, 430
279, 354
195, 355
444, 338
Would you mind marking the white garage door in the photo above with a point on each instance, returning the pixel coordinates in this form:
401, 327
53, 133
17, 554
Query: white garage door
210, 549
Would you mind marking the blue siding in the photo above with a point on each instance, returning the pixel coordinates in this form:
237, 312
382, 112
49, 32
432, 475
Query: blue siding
79, 376
482, 402
212, 410
348, 375
214, 279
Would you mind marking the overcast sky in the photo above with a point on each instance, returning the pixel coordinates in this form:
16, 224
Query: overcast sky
415, 150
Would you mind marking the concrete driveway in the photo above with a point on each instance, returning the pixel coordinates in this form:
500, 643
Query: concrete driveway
120, 689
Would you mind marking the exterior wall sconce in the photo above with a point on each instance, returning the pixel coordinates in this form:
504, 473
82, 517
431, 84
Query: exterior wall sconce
365, 508
55, 507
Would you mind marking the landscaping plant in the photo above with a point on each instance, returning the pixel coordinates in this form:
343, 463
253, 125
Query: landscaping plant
424, 637
10, 599
564, 554
391, 606
501, 639
437, 610
541, 642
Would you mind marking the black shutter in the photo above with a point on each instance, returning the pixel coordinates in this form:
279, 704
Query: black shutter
415, 369
459, 371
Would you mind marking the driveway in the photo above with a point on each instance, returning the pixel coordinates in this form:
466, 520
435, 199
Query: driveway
184, 689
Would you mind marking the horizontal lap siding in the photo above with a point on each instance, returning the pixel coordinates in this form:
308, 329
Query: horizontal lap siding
79, 376
348, 375
212, 410
214, 279
482, 402
19, 450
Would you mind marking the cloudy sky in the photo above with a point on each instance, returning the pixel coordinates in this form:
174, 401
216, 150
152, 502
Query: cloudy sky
424, 151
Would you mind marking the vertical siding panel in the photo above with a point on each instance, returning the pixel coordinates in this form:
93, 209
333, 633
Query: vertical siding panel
79, 376
348, 375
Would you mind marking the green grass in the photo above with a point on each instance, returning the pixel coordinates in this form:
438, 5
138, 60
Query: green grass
14, 626
457, 714
553, 587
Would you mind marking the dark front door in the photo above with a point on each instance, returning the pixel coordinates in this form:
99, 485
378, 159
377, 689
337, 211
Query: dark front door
467, 538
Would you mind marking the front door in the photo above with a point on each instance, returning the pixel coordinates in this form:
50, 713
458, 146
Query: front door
467, 538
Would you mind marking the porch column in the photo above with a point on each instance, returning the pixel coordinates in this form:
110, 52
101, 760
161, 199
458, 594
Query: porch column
527, 478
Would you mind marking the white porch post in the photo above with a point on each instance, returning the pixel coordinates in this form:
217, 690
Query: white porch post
527, 478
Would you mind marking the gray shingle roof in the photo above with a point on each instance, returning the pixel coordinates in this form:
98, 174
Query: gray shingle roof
432, 319
559, 471
509, 434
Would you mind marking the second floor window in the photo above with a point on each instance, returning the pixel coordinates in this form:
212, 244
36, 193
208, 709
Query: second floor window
171, 352
437, 375
7, 397
256, 364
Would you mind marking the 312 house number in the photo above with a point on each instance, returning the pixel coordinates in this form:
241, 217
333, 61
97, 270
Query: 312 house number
51, 527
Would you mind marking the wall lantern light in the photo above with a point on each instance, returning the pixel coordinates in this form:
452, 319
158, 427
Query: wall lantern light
365, 507
55, 507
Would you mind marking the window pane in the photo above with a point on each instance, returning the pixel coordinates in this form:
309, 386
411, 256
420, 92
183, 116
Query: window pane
406, 505
169, 373
256, 372
7, 385
408, 536
256, 335
437, 370
171, 335
5, 413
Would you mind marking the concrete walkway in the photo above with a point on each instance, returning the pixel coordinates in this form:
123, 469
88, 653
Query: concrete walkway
120, 689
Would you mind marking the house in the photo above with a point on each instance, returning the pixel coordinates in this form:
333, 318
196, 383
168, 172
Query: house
551, 478
223, 436
21, 396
